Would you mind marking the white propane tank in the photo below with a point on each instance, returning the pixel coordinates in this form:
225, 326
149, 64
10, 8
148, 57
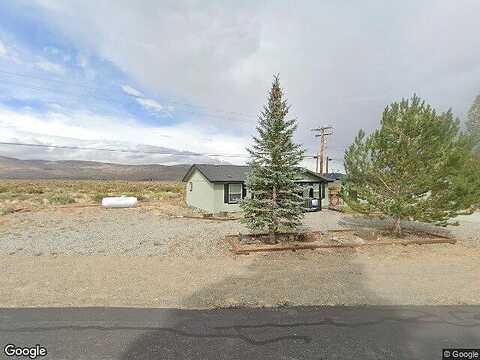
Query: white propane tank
119, 202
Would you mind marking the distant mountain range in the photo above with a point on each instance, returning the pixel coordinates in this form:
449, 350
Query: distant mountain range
11, 168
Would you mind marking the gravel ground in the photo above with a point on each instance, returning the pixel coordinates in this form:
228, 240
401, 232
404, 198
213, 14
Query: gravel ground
191, 267
131, 232
145, 232
467, 231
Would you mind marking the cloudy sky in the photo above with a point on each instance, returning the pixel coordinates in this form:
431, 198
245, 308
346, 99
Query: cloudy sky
190, 76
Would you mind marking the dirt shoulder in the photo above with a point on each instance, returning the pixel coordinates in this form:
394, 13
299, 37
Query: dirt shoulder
420, 275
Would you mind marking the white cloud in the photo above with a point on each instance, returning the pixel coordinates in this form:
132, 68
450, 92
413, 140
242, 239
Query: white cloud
50, 67
131, 91
91, 130
56, 53
330, 55
3, 49
150, 104
51, 50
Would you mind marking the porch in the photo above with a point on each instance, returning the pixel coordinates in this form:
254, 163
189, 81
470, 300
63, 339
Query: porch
314, 194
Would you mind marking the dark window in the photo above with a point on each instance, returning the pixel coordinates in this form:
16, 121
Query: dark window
234, 193
190, 186
225, 193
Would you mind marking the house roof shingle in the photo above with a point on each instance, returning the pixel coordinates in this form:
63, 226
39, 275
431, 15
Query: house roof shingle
335, 176
231, 173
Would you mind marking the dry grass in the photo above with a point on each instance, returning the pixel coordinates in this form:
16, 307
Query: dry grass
6, 210
32, 195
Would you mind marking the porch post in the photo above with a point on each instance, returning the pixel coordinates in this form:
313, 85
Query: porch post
319, 196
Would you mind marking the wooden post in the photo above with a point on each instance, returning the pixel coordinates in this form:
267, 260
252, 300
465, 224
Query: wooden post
322, 134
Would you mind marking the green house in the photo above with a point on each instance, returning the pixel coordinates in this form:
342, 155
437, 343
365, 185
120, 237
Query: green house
221, 188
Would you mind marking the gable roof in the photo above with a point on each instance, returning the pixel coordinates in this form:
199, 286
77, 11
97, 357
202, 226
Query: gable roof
232, 173
313, 173
219, 173
335, 176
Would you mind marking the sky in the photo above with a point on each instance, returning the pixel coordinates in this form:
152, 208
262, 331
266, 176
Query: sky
188, 78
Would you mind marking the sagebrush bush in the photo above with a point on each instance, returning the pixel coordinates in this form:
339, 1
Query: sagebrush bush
33, 190
35, 194
61, 199
6, 211
98, 197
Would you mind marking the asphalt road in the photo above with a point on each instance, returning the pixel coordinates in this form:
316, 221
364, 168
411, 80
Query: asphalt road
409, 332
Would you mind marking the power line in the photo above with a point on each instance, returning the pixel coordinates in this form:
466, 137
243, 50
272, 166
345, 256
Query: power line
71, 147
28, 76
74, 96
208, 111
119, 150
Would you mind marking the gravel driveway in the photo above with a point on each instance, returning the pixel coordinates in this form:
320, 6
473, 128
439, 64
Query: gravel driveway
137, 232
143, 232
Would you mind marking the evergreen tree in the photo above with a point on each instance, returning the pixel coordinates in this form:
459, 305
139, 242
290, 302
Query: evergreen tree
473, 122
276, 203
473, 131
417, 166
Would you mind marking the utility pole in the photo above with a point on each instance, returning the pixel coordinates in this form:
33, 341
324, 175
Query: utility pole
326, 164
322, 133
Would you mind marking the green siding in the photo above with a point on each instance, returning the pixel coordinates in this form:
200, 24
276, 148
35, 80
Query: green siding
202, 194
209, 197
219, 202
325, 200
316, 194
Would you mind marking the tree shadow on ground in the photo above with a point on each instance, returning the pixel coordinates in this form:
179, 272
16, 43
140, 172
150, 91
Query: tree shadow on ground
303, 332
386, 224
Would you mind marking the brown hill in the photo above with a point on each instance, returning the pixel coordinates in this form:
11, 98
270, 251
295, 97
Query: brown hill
11, 168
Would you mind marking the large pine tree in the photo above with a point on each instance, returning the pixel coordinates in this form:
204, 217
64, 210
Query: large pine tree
473, 123
417, 166
473, 131
276, 203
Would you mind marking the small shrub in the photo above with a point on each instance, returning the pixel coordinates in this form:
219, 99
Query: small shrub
61, 199
138, 196
176, 188
6, 211
98, 197
346, 209
166, 195
33, 190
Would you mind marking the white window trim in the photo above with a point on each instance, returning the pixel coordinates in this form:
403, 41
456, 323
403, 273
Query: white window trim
230, 193
190, 186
